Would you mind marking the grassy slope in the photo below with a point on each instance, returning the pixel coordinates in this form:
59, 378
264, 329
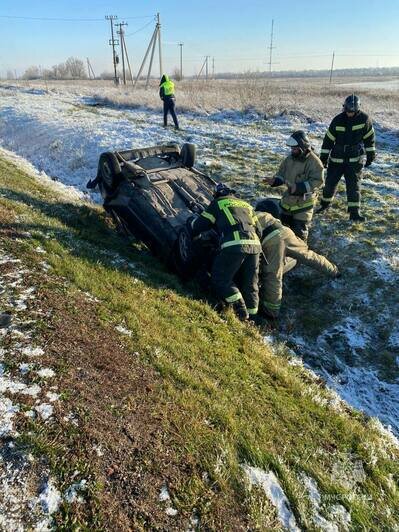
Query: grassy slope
218, 395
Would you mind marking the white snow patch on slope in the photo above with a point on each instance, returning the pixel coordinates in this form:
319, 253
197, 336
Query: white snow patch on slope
340, 515
271, 486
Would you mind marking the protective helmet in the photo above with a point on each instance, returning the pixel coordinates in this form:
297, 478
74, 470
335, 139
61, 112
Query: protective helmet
299, 139
270, 205
352, 103
222, 190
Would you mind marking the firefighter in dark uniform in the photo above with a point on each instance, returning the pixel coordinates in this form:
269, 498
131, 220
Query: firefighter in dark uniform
349, 137
238, 259
167, 95
302, 174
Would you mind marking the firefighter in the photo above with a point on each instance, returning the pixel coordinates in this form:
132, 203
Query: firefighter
282, 249
302, 174
167, 95
238, 258
349, 137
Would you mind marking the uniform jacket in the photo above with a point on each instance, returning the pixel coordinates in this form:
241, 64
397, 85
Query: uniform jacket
235, 222
347, 139
280, 245
307, 174
166, 88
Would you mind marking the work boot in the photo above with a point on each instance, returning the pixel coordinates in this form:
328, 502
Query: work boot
322, 208
240, 310
355, 216
255, 319
337, 274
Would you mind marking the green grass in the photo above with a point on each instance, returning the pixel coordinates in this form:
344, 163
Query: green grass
234, 400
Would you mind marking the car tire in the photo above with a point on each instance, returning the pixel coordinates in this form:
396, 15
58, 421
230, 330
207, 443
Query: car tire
109, 171
184, 254
187, 155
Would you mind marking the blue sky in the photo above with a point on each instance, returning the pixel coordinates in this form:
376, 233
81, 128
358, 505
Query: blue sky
235, 32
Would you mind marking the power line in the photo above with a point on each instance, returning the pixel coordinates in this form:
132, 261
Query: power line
53, 19
142, 28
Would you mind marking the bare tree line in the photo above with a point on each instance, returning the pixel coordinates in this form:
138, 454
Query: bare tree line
72, 68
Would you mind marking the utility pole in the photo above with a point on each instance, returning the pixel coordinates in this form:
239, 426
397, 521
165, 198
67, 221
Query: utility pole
90, 70
152, 46
113, 42
271, 48
332, 66
213, 68
121, 34
206, 67
127, 58
159, 45
181, 60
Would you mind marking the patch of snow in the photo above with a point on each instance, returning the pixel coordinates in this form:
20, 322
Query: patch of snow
123, 330
52, 397
338, 511
352, 330
386, 268
171, 511
50, 498
72, 493
32, 351
7, 412
25, 368
45, 411
46, 373
98, 450
164, 494
271, 486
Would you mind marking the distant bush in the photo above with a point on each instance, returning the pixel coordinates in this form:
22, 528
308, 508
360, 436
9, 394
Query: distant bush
73, 68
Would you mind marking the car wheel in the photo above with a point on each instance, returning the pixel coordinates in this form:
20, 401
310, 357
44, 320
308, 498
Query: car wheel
183, 256
187, 155
109, 171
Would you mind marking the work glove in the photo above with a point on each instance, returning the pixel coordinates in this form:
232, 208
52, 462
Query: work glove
370, 158
324, 159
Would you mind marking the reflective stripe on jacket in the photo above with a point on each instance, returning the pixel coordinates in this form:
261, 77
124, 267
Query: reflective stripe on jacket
235, 222
348, 139
307, 174
278, 243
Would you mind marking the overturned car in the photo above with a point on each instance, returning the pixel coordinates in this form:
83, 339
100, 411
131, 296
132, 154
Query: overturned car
150, 193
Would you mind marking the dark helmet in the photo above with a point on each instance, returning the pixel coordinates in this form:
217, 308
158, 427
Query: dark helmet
352, 103
222, 190
270, 205
299, 139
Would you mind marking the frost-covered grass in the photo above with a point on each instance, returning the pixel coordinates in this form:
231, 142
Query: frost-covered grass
61, 135
315, 97
236, 400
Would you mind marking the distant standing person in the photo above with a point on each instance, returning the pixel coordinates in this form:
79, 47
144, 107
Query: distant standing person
302, 174
167, 95
349, 137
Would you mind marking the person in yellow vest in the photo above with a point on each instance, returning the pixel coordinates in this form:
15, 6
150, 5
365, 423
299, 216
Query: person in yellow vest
302, 173
167, 95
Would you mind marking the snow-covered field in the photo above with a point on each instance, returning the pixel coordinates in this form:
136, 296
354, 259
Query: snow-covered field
61, 134
387, 85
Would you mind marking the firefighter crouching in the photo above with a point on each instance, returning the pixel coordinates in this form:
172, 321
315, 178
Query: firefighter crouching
235, 222
302, 174
349, 137
282, 249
